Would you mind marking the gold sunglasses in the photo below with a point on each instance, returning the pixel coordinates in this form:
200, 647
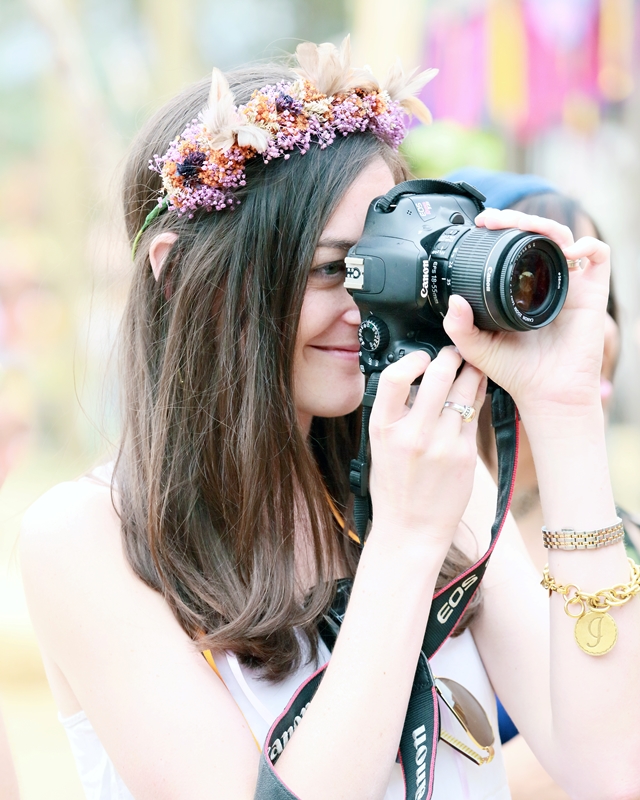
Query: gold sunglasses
473, 718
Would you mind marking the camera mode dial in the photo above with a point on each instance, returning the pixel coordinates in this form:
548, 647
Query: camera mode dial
373, 334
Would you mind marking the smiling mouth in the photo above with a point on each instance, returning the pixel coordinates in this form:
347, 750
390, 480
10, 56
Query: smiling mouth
348, 348
349, 351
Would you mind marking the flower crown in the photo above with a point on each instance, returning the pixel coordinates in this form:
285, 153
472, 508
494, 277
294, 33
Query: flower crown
325, 97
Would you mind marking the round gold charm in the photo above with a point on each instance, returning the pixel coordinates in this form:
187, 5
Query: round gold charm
596, 633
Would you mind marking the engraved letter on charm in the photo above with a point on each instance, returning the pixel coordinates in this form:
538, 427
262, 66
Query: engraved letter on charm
595, 629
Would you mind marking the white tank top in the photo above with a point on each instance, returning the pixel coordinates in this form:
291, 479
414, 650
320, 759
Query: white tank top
261, 702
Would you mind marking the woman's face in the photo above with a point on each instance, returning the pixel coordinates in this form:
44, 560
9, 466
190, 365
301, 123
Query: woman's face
327, 377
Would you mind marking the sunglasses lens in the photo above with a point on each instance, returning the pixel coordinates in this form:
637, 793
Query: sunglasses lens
467, 709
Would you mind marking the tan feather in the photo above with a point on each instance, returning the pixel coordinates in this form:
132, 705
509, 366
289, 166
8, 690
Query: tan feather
415, 106
222, 140
250, 135
329, 69
220, 116
400, 86
308, 57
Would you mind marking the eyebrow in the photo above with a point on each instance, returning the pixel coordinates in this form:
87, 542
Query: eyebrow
336, 244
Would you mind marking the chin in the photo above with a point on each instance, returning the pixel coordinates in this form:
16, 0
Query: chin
339, 403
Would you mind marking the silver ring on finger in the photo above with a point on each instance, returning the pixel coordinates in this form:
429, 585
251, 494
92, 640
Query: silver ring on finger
467, 413
574, 263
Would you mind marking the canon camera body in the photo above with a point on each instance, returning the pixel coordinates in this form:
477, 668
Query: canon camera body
419, 246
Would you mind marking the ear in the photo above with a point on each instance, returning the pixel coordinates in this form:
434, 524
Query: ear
159, 250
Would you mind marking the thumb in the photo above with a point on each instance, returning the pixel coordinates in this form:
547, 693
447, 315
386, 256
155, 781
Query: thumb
472, 343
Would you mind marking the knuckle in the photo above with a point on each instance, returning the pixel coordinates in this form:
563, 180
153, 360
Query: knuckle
443, 374
440, 452
394, 374
387, 374
566, 232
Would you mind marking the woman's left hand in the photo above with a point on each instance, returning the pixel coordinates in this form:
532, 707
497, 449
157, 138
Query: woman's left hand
555, 369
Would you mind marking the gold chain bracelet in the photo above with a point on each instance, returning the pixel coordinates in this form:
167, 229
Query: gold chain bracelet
596, 632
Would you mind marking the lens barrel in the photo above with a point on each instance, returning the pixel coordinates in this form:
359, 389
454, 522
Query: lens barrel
512, 279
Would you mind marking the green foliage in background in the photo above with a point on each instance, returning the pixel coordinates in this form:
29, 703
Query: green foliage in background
435, 150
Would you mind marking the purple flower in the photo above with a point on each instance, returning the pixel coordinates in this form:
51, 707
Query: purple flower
284, 102
192, 165
197, 177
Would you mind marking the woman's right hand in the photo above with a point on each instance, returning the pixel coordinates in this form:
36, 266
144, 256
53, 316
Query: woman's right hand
423, 457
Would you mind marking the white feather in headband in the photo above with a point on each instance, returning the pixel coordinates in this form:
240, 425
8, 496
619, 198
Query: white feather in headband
224, 124
329, 70
403, 89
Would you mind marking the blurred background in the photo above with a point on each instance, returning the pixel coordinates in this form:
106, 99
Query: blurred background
547, 86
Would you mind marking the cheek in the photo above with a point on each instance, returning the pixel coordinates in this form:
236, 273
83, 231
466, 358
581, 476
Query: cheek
318, 313
305, 323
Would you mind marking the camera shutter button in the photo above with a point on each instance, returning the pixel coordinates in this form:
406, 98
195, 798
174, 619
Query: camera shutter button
373, 334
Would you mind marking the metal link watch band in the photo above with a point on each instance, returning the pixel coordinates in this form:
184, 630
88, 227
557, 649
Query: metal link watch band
569, 539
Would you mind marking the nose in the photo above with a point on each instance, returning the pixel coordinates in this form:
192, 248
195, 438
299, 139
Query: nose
351, 313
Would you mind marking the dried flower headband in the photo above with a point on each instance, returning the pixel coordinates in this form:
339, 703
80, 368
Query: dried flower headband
326, 97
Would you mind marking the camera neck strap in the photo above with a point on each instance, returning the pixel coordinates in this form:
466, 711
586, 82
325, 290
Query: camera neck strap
431, 186
421, 730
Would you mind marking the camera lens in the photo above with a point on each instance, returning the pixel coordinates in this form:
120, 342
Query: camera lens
513, 280
530, 284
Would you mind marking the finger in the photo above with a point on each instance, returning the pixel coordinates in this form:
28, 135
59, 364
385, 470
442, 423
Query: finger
481, 394
472, 343
435, 386
394, 385
464, 392
494, 219
593, 258
479, 220
596, 252
471, 429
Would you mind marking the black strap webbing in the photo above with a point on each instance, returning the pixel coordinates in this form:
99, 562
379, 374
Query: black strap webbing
359, 470
460, 189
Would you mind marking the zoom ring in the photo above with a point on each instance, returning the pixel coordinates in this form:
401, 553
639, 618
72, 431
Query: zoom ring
468, 269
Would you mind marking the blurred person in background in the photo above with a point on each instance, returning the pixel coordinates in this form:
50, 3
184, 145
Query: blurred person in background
532, 194
221, 529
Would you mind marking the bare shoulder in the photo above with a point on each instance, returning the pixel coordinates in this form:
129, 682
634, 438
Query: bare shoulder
78, 580
71, 553
117, 648
75, 514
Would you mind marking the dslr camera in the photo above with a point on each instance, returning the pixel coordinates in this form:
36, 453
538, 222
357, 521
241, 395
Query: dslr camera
419, 246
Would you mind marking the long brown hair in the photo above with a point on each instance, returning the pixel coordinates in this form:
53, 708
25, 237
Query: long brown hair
213, 469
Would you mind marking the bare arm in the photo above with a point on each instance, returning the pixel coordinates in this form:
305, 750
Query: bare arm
527, 778
553, 376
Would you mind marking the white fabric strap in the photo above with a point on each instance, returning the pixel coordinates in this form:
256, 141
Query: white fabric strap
259, 706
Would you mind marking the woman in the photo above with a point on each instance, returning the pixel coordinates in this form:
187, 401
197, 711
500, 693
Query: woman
241, 391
